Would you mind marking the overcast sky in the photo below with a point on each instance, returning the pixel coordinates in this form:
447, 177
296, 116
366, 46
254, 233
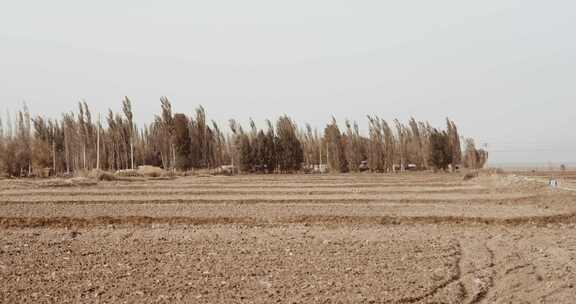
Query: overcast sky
504, 70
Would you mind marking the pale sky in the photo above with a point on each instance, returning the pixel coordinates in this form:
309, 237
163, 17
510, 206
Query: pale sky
504, 70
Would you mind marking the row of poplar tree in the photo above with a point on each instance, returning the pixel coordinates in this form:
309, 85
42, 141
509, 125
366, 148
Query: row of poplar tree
79, 141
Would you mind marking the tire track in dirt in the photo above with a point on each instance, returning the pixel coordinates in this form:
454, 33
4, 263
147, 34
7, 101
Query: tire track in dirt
517, 274
476, 271
486, 282
455, 278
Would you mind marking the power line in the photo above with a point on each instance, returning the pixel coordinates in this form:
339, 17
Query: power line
534, 150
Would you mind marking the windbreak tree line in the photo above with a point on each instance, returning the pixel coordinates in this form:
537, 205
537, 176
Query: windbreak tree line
80, 141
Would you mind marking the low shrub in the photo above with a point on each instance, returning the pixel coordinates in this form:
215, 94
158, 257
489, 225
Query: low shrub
470, 175
128, 173
150, 171
71, 182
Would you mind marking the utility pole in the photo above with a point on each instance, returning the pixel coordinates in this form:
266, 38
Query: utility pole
320, 156
67, 150
173, 157
132, 145
54, 156
328, 164
98, 144
132, 150
232, 155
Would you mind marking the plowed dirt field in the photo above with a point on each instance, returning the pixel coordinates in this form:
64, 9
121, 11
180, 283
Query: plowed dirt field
365, 238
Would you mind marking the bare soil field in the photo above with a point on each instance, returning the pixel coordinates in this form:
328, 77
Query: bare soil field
365, 238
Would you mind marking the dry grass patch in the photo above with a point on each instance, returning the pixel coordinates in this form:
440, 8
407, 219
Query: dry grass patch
72, 182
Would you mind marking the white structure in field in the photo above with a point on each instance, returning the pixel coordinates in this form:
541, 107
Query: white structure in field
553, 183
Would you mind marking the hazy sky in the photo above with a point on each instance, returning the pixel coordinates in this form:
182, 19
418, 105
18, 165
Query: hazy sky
504, 70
